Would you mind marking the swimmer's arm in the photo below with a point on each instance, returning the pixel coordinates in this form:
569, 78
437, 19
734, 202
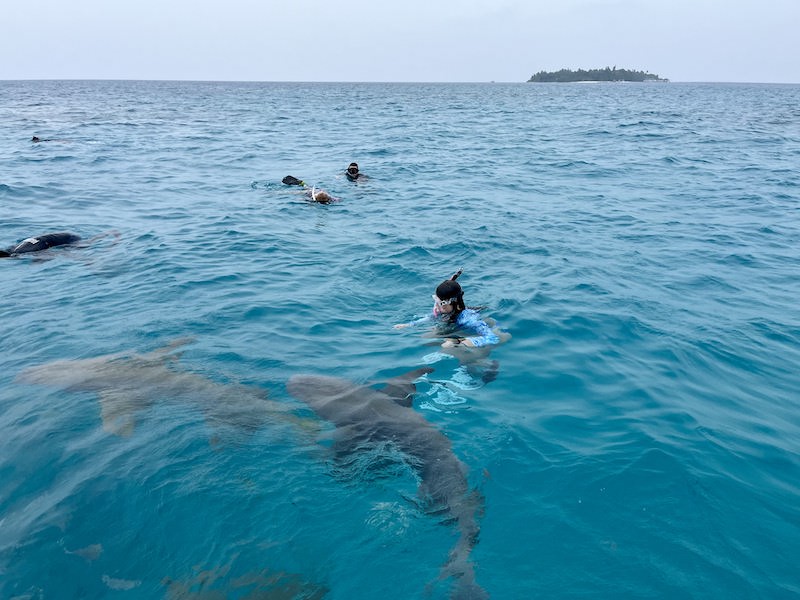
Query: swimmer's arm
414, 323
486, 335
487, 339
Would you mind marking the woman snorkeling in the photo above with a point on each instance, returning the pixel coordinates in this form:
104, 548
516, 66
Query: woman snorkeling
449, 309
314, 194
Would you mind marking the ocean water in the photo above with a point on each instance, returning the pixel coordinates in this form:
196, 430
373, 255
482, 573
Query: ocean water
638, 242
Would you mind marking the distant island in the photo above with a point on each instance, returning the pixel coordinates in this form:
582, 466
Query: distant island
607, 74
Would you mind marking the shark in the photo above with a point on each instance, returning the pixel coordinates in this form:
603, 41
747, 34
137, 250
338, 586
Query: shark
364, 415
128, 383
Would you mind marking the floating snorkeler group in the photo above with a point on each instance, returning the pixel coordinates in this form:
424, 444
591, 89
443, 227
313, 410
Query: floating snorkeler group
318, 194
365, 416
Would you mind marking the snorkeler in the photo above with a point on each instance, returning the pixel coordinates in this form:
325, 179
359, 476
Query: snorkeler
51, 240
353, 174
320, 196
314, 195
449, 309
36, 140
42, 242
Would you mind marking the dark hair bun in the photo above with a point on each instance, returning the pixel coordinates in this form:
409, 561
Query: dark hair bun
448, 289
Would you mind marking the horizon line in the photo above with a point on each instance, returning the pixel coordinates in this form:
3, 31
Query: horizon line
171, 80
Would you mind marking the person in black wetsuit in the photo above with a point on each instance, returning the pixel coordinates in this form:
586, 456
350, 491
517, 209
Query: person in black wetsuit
353, 174
42, 242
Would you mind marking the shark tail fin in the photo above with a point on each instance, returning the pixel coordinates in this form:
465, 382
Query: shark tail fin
464, 587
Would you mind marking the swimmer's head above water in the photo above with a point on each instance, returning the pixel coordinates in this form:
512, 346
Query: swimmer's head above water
320, 196
352, 171
449, 298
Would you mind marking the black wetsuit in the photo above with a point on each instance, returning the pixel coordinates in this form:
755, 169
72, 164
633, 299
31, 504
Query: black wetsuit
356, 177
42, 242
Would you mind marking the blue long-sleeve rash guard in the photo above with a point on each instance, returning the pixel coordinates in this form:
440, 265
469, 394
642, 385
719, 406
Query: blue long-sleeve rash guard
470, 321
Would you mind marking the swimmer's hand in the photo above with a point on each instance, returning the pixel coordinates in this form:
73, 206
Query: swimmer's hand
453, 342
401, 326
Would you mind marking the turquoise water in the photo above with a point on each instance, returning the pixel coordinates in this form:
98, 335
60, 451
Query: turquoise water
639, 243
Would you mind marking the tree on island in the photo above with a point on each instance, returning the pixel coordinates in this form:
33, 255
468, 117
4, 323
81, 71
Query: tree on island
607, 74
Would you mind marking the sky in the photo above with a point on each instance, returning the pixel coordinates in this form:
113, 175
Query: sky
398, 40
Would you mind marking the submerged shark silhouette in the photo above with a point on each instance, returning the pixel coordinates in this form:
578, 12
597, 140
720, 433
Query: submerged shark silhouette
129, 383
365, 415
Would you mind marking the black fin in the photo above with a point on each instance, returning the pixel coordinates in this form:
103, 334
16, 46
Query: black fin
290, 180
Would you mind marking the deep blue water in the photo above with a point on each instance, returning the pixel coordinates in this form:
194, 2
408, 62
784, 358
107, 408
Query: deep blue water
639, 243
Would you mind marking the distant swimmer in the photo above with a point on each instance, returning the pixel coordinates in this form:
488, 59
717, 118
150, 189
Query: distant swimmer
51, 240
353, 174
320, 196
36, 139
314, 194
42, 242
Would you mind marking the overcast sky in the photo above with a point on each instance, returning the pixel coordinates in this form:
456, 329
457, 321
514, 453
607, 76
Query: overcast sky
397, 40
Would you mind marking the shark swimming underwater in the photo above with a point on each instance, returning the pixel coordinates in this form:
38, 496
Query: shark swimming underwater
128, 383
365, 415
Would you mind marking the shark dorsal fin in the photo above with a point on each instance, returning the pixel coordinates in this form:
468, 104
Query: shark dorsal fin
401, 389
167, 353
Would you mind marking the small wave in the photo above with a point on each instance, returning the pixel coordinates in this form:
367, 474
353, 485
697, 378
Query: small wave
435, 357
121, 584
390, 518
441, 395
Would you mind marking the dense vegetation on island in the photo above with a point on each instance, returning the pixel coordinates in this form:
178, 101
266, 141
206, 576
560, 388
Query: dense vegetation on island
607, 74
